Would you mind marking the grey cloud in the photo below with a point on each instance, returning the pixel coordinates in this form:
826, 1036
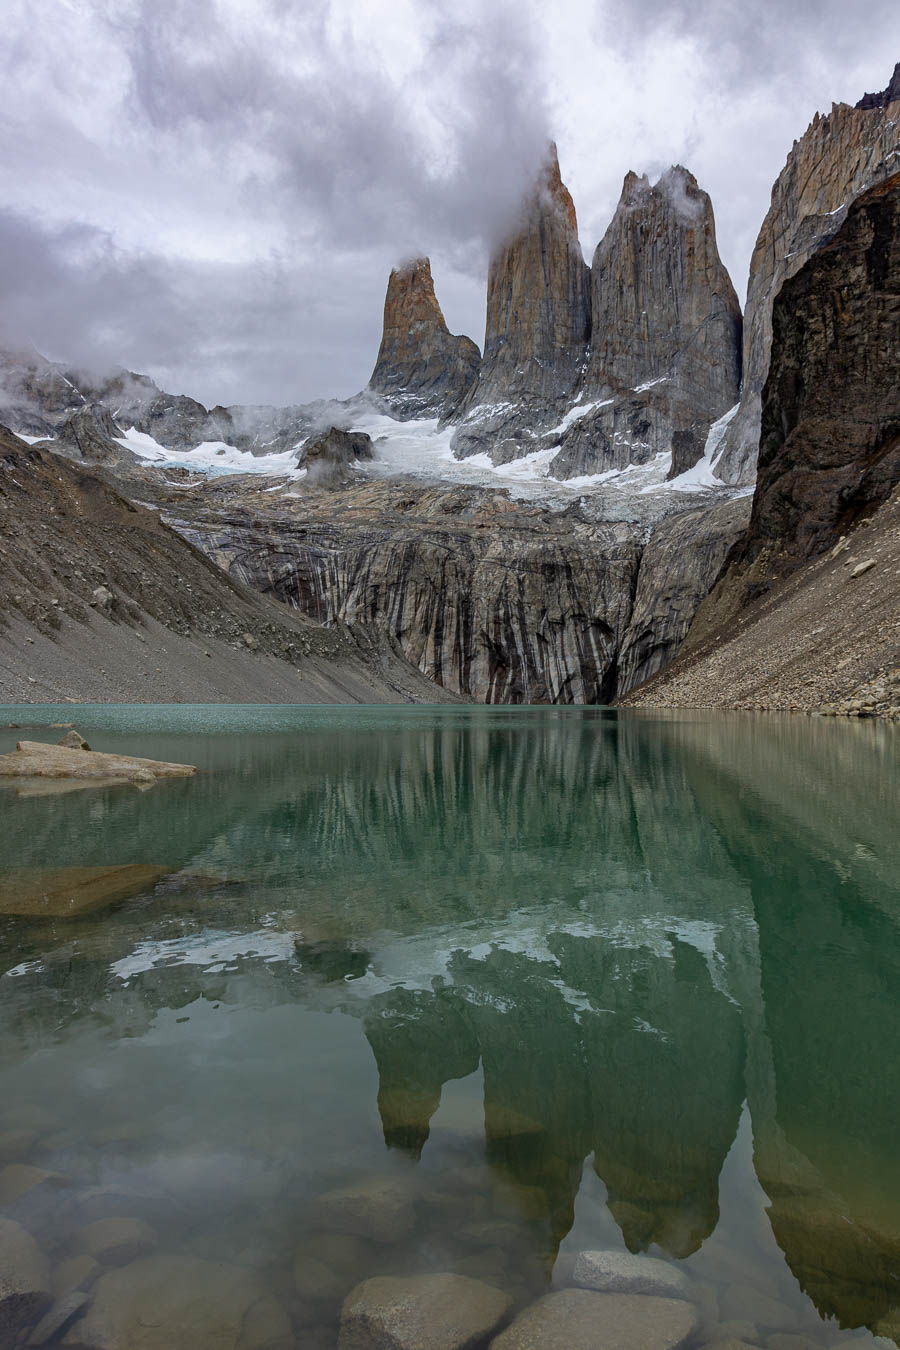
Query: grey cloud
752, 44
222, 333
339, 141
261, 131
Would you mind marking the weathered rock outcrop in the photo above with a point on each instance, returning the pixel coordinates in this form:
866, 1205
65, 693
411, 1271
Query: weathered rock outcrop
36, 759
830, 438
839, 156
829, 459
679, 564
537, 329
422, 369
90, 434
665, 360
328, 456
35, 394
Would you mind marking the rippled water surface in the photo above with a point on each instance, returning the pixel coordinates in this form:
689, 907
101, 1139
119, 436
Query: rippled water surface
526, 982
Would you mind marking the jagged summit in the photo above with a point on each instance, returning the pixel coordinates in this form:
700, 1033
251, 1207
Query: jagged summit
422, 368
538, 321
665, 358
887, 96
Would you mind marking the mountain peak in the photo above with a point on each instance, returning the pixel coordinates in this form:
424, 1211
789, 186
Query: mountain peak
422, 368
889, 95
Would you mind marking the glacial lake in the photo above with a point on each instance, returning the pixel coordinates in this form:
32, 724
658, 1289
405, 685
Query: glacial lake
407, 990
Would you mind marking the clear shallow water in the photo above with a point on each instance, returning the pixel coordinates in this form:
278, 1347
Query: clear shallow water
566, 979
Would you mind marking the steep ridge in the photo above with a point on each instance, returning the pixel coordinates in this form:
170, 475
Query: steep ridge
665, 357
35, 395
808, 610
38, 397
100, 600
537, 329
422, 370
839, 156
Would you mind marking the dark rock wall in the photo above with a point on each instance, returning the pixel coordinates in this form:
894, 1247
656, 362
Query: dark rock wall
838, 157
830, 441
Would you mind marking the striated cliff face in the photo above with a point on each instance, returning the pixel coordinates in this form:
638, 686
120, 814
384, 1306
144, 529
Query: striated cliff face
538, 325
422, 370
487, 597
499, 600
679, 563
665, 358
839, 156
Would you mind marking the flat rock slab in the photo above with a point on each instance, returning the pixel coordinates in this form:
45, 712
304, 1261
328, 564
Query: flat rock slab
66, 892
37, 759
24, 1281
421, 1312
613, 1272
379, 1208
167, 1303
579, 1319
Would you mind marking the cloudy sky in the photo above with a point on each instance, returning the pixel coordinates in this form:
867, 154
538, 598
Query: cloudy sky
214, 191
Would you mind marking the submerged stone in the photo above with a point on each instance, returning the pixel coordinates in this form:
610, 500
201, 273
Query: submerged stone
578, 1319
421, 1312
622, 1273
380, 1208
67, 892
64, 1311
24, 1280
167, 1303
115, 1242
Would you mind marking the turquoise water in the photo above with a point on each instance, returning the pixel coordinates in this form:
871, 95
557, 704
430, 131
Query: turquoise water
566, 979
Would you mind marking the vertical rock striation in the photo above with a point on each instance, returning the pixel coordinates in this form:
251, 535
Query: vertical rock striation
537, 330
422, 369
665, 358
838, 157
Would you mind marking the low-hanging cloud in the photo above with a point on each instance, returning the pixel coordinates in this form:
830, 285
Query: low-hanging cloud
215, 192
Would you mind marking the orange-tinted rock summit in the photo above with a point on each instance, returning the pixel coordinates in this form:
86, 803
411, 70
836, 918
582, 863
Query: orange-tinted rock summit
422, 370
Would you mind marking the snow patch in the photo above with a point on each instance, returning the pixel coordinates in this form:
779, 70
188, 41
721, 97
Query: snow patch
702, 476
576, 413
209, 457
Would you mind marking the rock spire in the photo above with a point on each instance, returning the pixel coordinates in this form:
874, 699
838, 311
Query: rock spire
422, 369
665, 359
537, 328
